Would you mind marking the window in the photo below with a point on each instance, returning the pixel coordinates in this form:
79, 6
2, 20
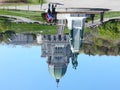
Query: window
49, 37
54, 37
59, 37
65, 38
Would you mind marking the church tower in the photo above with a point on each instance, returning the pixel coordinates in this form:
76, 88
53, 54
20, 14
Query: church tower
57, 50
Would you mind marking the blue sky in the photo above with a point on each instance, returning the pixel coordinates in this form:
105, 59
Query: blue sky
23, 69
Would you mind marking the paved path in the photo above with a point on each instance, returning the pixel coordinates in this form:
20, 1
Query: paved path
21, 19
113, 5
26, 20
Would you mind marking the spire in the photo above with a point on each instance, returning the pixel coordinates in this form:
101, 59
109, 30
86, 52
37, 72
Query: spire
74, 60
57, 81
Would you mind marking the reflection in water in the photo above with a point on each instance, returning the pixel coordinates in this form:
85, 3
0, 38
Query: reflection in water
92, 49
58, 53
55, 47
13, 38
22, 39
57, 50
76, 27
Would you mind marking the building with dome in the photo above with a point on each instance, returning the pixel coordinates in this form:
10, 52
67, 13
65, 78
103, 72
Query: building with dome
57, 50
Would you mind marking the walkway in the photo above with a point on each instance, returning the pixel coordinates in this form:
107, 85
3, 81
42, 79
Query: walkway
21, 19
26, 20
113, 5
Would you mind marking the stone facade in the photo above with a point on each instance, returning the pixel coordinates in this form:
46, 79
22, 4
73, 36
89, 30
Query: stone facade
57, 50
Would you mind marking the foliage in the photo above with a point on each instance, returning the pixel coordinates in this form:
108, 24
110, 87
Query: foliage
110, 30
66, 30
92, 49
4, 23
103, 40
36, 1
5, 36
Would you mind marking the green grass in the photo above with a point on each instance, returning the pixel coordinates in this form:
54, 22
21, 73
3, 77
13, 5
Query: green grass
107, 34
25, 1
112, 14
66, 30
27, 14
109, 14
6, 24
27, 27
37, 15
36, 1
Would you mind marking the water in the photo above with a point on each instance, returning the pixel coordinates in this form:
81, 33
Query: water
31, 61
31, 65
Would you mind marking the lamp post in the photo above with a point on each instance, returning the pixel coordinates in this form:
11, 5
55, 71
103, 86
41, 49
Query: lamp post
41, 2
28, 6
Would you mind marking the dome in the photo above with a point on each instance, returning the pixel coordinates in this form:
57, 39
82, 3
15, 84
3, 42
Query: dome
58, 70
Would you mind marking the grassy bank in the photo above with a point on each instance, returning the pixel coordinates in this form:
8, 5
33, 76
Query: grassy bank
22, 1
6, 24
106, 35
37, 15
109, 14
102, 40
33, 28
27, 14
36, 1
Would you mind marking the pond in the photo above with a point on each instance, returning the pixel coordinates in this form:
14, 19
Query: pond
39, 62
35, 61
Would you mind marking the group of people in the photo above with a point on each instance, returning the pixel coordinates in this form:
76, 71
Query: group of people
51, 13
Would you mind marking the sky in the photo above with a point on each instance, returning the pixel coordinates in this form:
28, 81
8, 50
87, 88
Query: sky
22, 68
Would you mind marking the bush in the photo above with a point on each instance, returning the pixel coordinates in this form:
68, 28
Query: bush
110, 30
